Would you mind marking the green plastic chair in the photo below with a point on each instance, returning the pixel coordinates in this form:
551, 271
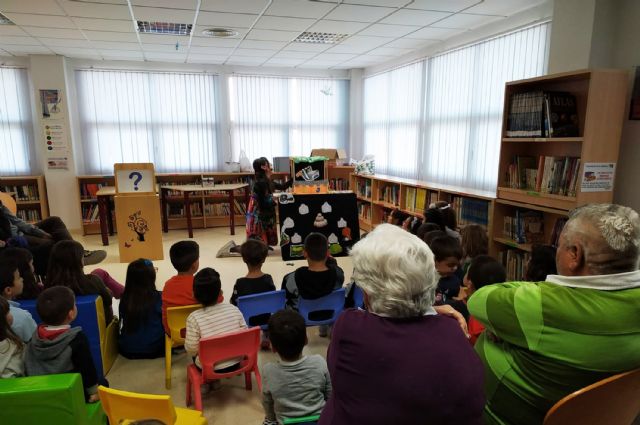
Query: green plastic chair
47, 399
306, 420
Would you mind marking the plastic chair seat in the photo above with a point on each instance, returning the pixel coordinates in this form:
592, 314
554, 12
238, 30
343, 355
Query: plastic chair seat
177, 322
306, 420
333, 302
261, 304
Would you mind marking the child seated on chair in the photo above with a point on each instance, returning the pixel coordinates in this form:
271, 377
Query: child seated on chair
214, 318
11, 285
447, 254
56, 347
297, 385
178, 290
11, 346
254, 252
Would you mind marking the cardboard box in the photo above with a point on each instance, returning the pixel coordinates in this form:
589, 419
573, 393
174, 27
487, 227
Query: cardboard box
336, 156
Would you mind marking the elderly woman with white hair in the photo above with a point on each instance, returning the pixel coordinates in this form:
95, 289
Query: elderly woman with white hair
400, 362
545, 340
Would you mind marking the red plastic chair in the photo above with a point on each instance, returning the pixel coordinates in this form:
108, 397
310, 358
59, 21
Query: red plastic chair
244, 343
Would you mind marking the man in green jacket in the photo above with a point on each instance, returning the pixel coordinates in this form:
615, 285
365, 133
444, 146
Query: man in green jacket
545, 340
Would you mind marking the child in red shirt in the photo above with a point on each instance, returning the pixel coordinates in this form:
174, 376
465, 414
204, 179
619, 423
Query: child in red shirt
178, 290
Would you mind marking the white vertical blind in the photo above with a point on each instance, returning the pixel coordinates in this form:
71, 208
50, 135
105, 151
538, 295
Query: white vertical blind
278, 116
460, 114
161, 117
16, 127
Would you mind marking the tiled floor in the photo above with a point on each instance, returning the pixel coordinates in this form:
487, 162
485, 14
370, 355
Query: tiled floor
232, 404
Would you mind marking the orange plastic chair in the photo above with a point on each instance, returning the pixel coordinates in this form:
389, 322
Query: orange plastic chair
177, 322
244, 343
612, 401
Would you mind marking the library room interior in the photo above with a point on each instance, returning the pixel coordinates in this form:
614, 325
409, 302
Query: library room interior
334, 212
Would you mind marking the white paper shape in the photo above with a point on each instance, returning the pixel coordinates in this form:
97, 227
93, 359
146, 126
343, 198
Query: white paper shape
326, 208
342, 223
332, 238
303, 209
320, 221
288, 224
296, 238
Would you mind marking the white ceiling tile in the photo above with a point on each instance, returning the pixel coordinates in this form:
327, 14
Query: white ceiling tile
235, 6
166, 39
338, 57
504, 8
115, 45
45, 7
410, 43
77, 52
257, 44
376, 58
197, 32
244, 60
26, 50
389, 51
339, 27
317, 64
49, 21
104, 24
270, 35
96, 10
307, 47
166, 48
466, 21
414, 17
11, 30
21, 41
254, 52
65, 42
111, 36
158, 14
216, 42
442, 5
299, 9
387, 3
283, 62
167, 4
347, 48
431, 33
366, 41
386, 30
172, 57
288, 54
287, 24
226, 19
206, 59
108, 1
209, 50
348, 12
122, 54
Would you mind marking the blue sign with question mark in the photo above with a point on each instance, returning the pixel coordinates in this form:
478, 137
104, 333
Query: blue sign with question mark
137, 176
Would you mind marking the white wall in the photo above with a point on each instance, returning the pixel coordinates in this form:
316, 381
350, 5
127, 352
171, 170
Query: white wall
571, 33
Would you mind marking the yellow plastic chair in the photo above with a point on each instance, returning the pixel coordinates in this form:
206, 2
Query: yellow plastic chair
124, 405
108, 338
177, 322
8, 201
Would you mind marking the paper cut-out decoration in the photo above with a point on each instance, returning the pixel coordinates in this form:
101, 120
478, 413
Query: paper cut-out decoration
296, 238
332, 238
342, 223
335, 249
284, 239
296, 251
138, 224
288, 224
303, 209
320, 221
346, 234
326, 208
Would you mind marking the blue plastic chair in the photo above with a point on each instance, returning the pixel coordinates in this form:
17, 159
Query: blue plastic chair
261, 304
333, 302
358, 296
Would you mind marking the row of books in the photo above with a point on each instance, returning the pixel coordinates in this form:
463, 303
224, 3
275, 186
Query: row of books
470, 210
526, 227
515, 263
390, 194
542, 114
89, 190
90, 213
29, 215
24, 192
363, 188
364, 211
179, 211
418, 198
545, 174
339, 184
220, 209
210, 209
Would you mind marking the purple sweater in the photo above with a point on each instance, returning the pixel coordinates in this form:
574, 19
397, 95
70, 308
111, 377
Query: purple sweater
402, 371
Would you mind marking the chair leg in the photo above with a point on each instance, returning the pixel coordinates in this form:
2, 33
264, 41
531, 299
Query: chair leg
167, 362
196, 384
258, 378
188, 399
247, 380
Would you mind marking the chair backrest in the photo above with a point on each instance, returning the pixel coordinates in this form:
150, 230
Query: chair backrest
358, 296
261, 304
244, 343
8, 201
612, 401
47, 399
333, 302
120, 405
177, 320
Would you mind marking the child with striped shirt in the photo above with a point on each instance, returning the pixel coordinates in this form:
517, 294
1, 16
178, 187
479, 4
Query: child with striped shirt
214, 318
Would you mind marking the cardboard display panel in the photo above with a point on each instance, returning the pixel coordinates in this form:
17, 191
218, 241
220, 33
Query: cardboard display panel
134, 178
139, 227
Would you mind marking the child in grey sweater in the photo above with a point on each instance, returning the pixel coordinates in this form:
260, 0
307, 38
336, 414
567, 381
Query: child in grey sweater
297, 385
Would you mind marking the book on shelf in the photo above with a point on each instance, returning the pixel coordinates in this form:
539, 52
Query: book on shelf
421, 199
29, 215
545, 174
542, 114
363, 188
25, 192
526, 227
410, 199
339, 184
390, 194
557, 229
90, 190
470, 210
515, 263
178, 210
90, 213
364, 211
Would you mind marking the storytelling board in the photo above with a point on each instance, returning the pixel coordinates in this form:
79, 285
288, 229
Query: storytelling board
335, 215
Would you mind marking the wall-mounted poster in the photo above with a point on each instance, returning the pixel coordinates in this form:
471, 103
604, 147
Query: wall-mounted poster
56, 143
50, 101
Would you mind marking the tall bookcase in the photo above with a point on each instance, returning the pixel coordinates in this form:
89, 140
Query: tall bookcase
30, 193
600, 102
378, 195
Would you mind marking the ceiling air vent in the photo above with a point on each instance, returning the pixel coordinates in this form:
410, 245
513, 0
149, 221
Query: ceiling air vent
219, 32
5, 21
146, 27
320, 38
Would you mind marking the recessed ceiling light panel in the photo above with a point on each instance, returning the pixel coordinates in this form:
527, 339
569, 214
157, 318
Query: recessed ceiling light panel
170, 28
320, 37
5, 21
219, 32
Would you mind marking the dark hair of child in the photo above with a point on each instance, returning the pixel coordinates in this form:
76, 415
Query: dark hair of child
65, 266
139, 296
206, 286
485, 270
23, 258
287, 333
7, 272
54, 304
474, 240
448, 214
426, 228
183, 254
258, 163
254, 252
541, 264
444, 247
430, 236
434, 215
316, 246
5, 328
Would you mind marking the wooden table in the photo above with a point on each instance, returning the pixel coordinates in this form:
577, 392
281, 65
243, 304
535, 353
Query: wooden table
187, 189
104, 195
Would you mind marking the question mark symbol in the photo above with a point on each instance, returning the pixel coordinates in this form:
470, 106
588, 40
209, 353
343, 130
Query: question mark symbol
138, 177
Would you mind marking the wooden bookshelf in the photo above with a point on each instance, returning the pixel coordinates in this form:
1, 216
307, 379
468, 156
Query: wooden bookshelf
30, 193
600, 101
386, 193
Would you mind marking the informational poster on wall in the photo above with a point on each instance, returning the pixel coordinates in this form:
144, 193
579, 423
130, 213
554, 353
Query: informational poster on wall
598, 176
50, 101
55, 139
